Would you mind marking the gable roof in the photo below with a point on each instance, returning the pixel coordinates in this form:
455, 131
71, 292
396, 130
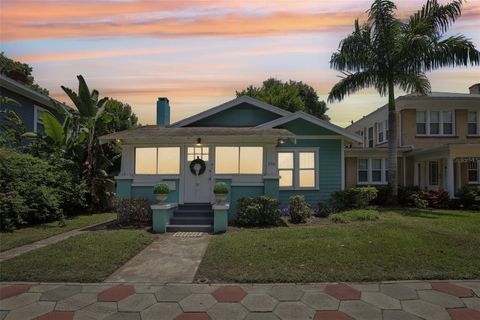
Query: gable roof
23, 90
312, 119
228, 105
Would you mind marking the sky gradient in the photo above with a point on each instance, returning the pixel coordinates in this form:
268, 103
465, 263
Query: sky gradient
199, 52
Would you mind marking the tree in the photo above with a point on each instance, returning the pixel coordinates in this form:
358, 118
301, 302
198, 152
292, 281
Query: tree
19, 71
292, 96
92, 115
386, 52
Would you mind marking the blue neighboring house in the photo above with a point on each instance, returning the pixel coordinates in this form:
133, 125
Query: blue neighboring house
254, 147
31, 103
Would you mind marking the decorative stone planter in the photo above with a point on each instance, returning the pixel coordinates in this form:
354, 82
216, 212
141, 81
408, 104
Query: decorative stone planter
161, 197
220, 198
161, 214
220, 217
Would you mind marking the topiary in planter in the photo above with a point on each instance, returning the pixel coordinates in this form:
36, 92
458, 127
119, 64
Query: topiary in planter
220, 188
161, 188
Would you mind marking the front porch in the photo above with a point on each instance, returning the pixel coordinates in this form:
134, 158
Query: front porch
447, 167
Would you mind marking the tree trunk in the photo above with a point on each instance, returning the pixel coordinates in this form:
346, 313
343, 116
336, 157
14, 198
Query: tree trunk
392, 146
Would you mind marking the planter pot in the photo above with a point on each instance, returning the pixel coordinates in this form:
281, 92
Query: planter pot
161, 197
220, 198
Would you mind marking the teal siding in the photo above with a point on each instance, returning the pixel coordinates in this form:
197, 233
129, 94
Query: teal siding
124, 188
303, 127
329, 171
147, 192
243, 115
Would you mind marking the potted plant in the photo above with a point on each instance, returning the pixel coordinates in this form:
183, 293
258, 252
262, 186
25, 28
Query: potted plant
221, 191
161, 191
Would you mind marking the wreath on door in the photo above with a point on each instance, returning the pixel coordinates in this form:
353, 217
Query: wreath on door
202, 165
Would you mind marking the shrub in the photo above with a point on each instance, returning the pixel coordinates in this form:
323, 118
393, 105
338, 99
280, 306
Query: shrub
262, 211
47, 189
415, 200
133, 211
220, 188
325, 209
12, 210
354, 198
161, 188
382, 196
466, 197
437, 199
299, 210
355, 215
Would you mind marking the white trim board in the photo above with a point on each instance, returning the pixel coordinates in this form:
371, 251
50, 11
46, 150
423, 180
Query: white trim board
312, 119
228, 105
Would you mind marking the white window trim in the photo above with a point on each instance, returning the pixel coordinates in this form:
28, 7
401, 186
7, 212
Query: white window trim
385, 129
440, 120
369, 172
478, 173
296, 168
478, 124
37, 110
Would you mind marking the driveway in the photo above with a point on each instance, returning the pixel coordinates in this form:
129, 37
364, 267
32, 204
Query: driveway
170, 258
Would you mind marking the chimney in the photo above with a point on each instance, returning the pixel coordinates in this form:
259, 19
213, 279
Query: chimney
163, 111
475, 89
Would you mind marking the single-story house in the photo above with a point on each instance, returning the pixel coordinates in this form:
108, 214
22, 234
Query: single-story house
256, 148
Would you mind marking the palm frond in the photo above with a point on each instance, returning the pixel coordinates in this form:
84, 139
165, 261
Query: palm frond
450, 52
351, 83
436, 17
415, 82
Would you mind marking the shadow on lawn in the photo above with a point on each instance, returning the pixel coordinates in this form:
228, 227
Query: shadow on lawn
425, 213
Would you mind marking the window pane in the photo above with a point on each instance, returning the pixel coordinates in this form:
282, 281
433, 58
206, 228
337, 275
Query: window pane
190, 157
168, 160
434, 128
421, 117
434, 116
363, 176
376, 164
251, 160
472, 128
472, 117
421, 128
205, 150
447, 116
376, 175
226, 160
191, 150
362, 164
472, 176
447, 128
307, 178
285, 160
205, 157
286, 178
145, 160
307, 160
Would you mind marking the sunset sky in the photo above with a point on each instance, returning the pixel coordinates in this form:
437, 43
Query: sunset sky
198, 52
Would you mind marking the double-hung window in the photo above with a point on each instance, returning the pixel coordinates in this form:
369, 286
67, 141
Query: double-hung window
434, 123
474, 172
372, 171
297, 169
382, 131
473, 123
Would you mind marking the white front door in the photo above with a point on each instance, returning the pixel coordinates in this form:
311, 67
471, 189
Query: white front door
198, 185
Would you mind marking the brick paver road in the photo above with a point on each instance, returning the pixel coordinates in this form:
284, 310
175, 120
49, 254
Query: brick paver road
436, 300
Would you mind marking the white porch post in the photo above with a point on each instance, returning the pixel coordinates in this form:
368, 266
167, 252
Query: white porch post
450, 178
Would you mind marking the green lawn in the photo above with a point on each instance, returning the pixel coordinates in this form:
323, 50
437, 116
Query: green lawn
88, 257
31, 234
402, 244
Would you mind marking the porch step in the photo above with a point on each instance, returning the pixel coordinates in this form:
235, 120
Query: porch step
190, 227
195, 206
201, 220
193, 213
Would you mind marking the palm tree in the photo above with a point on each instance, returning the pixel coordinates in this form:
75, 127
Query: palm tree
386, 52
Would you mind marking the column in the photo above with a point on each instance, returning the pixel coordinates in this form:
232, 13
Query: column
450, 178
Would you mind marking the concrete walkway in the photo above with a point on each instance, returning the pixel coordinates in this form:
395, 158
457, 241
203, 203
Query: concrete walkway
407, 300
170, 258
8, 254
